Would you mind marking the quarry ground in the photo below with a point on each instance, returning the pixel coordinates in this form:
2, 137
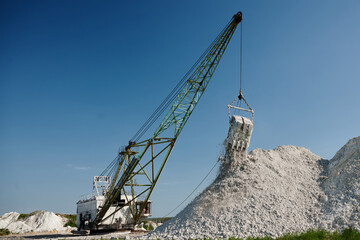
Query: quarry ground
74, 235
347, 234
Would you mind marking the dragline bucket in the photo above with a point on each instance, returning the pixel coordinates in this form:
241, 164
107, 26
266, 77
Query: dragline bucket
240, 129
239, 133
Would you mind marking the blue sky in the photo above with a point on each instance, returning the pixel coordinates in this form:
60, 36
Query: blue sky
78, 78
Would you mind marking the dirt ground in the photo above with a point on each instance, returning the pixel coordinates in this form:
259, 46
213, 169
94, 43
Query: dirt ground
74, 235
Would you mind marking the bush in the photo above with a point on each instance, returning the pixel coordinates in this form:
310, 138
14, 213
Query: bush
156, 220
23, 216
148, 227
71, 220
4, 231
347, 234
26, 215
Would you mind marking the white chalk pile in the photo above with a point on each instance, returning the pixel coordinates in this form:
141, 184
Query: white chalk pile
273, 192
40, 221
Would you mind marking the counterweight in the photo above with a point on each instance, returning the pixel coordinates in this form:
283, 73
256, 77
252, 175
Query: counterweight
140, 164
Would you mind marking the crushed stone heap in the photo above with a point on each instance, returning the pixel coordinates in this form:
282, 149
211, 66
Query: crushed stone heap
342, 187
39, 221
273, 192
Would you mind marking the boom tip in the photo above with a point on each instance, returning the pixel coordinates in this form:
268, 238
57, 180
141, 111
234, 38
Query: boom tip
238, 17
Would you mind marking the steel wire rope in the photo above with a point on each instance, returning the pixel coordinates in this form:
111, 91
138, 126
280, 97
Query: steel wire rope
218, 160
158, 114
153, 114
109, 166
113, 170
241, 55
109, 170
193, 190
240, 93
169, 99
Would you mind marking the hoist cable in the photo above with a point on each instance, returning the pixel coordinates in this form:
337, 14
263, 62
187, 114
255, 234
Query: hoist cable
173, 94
111, 165
240, 56
167, 101
193, 190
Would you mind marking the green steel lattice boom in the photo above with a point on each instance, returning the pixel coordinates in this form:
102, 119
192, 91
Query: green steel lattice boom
138, 171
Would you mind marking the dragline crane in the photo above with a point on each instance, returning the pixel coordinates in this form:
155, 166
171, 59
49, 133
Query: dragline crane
123, 190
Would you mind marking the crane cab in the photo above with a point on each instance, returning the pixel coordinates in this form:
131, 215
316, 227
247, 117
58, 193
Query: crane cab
119, 216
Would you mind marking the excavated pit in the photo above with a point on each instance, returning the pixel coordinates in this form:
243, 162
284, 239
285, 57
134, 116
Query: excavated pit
272, 192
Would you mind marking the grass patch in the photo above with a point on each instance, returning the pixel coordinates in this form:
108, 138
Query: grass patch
24, 216
4, 231
156, 220
347, 234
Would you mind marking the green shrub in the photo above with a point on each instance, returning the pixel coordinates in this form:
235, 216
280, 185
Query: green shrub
71, 219
26, 215
23, 216
156, 220
4, 231
148, 227
347, 234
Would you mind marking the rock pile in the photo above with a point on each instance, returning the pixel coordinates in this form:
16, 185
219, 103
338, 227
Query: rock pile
273, 192
39, 221
342, 187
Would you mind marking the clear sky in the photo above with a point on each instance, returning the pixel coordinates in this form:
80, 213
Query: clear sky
78, 78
